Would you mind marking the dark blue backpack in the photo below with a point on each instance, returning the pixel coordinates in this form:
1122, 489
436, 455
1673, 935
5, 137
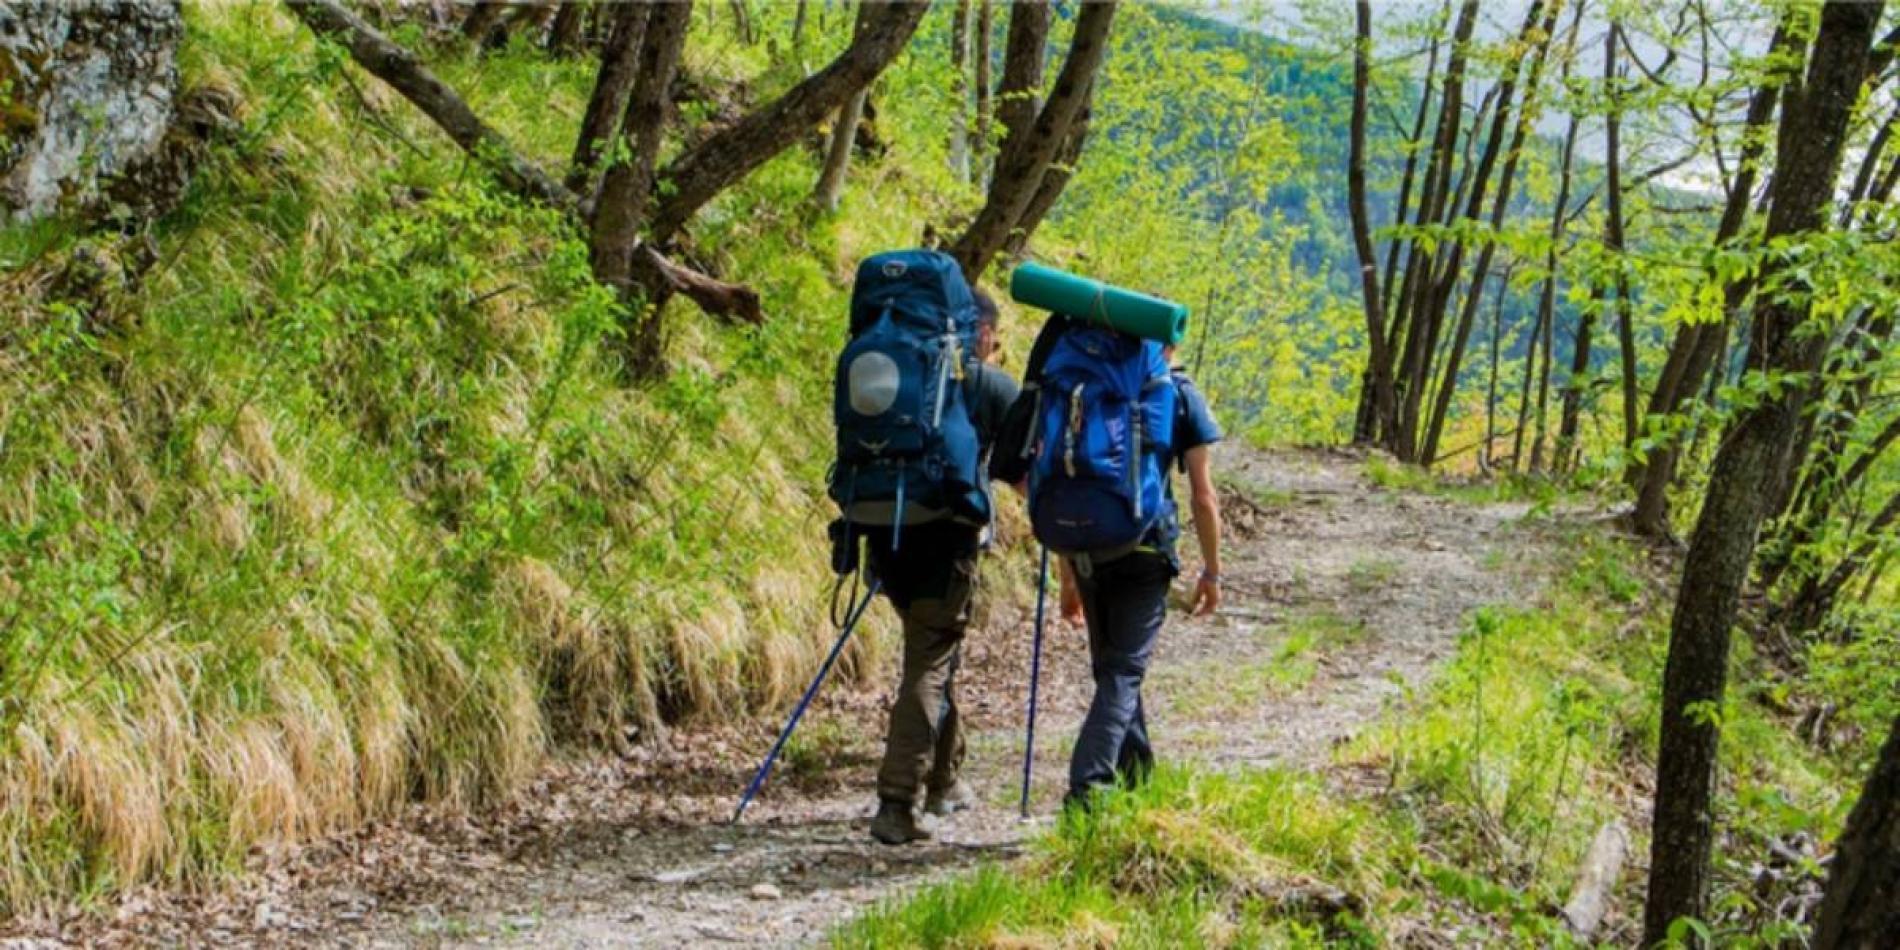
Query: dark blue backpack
907, 450
1107, 412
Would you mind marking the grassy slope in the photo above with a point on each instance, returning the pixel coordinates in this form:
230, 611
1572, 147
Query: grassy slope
345, 503
1464, 814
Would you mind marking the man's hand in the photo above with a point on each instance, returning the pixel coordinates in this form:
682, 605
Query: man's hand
1072, 606
1206, 595
1070, 599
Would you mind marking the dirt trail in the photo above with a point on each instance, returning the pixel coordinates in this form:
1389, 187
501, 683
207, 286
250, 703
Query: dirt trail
1340, 595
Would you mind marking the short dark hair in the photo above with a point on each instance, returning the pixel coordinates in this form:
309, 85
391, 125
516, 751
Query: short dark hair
985, 308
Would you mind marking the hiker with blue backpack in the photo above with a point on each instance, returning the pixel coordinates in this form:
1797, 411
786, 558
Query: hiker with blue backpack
917, 408
1109, 418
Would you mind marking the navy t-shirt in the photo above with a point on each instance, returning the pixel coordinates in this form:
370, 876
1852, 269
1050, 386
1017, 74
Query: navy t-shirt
1194, 426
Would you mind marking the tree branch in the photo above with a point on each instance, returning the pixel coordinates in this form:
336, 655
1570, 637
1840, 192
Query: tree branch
402, 71
700, 174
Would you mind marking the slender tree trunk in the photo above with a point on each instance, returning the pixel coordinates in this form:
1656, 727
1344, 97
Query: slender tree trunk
1486, 458
626, 189
1538, 350
481, 21
1693, 353
1379, 358
844, 135
959, 91
798, 28
1017, 98
1526, 117
1055, 178
1817, 595
1613, 227
1420, 264
980, 131
1861, 909
619, 61
1811, 140
742, 23
1020, 167
564, 37
695, 177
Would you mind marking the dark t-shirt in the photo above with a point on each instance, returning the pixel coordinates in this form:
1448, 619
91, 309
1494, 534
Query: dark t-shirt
990, 391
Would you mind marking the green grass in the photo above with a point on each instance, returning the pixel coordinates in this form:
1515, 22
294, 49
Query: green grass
1471, 806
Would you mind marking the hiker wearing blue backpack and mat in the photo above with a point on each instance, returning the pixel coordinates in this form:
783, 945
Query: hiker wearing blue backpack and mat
1111, 418
917, 408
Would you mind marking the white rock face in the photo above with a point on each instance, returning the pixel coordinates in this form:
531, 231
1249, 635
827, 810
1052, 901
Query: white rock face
86, 89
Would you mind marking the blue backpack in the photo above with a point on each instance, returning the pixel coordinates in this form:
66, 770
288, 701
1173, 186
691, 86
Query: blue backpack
907, 449
1107, 412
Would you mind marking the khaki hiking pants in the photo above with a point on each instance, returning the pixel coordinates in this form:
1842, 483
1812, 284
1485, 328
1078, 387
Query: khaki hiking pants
924, 747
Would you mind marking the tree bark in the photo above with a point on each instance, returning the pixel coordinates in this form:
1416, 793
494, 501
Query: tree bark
1526, 117
1810, 142
1054, 179
1421, 266
844, 135
1861, 909
1019, 169
730, 154
405, 73
627, 187
619, 61
482, 19
1379, 357
1017, 98
564, 37
1613, 228
959, 90
1694, 351
980, 130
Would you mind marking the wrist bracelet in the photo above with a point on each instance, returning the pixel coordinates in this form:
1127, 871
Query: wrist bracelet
1211, 576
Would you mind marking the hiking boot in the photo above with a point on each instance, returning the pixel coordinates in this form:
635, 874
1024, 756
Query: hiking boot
948, 801
896, 823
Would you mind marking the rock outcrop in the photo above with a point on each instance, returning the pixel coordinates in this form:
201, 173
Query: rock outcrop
87, 91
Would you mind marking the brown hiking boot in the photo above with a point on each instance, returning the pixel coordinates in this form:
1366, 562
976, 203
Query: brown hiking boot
896, 823
948, 801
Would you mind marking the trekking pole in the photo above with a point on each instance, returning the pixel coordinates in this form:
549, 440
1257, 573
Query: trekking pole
765, 768
1035, 675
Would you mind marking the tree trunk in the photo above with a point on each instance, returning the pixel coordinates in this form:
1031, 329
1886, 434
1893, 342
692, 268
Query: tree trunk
695, 177
798, 28
1379, 357
619, 60
1485, 458
1694, 352
1019, 169
1810, 143
481, 21
1527, 115
980, 131
626, 189
1421, 265
959, 91
1818, 594
1613, 227
844, 135
1861, 909
564, 37
1017, 98
1054, 179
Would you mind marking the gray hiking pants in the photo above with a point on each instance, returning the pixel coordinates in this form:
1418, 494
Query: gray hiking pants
1125, 602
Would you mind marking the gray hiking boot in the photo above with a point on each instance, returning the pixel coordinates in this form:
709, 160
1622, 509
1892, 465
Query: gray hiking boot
896, 823
948, 801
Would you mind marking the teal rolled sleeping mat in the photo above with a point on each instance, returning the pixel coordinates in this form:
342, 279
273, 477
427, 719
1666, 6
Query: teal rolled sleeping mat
1093, 301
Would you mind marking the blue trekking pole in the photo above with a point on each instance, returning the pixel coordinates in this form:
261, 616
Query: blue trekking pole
765, 768
1035, 675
